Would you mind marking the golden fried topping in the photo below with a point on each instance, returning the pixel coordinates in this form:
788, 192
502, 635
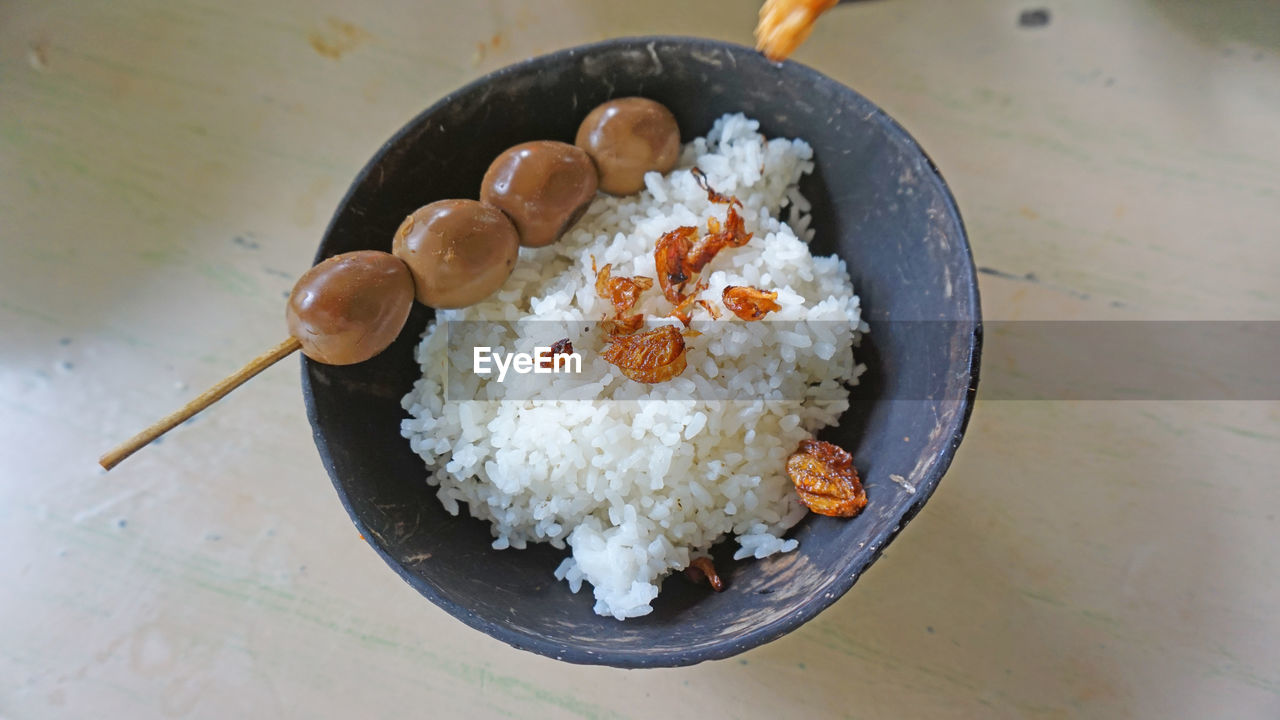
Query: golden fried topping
623, 292
649, 357
750, 303
712, 195
784, 24
825, 479
684, 311
622, 325
732, 234
711, 309
701, 569
679, 258
559, 347
670, 258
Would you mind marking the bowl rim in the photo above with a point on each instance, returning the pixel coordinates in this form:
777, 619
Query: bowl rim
844, 579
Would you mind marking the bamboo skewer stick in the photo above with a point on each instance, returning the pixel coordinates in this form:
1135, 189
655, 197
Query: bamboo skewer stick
204, 400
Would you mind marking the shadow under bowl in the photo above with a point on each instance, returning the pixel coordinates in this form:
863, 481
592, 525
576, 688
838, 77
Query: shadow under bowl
878, 202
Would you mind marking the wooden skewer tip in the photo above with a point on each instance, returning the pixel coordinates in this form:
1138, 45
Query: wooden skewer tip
202, 401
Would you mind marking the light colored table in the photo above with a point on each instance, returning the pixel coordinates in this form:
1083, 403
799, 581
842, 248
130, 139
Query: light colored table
169, 165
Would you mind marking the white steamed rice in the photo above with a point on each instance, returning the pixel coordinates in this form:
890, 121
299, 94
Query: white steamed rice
636, 479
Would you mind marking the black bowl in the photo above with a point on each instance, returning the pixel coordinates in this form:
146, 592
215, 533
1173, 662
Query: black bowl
878, 202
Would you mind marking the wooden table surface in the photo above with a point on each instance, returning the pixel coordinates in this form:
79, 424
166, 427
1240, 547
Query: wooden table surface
169, 166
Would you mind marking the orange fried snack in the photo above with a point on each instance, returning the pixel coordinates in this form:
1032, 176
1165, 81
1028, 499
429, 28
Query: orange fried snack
784, 24
623, 292
649, 357
826, 480
671, 259
559, 347
701, 569
749, 303
684, 311
712, 195
732, 234
679, 258
622, 325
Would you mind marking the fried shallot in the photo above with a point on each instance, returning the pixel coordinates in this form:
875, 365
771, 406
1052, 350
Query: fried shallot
679, 258
750, 303
712, 310
826, 480
712, 195
649, 357
622, 325
732, 234
701, 569
622, 292
558, 348
670, 257
684, 311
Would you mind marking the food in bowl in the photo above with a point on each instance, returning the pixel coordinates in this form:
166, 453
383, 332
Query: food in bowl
892, 218
638, 478
571, 462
